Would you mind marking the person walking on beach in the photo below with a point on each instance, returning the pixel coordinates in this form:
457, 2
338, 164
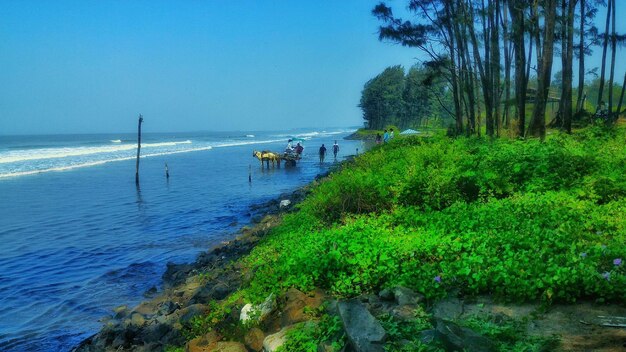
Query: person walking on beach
335, 149
322, 153
385, 137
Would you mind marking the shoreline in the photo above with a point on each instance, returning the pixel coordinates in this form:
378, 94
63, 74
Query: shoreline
156, 322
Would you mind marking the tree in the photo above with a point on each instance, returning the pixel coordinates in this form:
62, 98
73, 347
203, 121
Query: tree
537, 126
567, 54
381, 98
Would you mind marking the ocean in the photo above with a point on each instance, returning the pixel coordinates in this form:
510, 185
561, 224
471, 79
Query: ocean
79, 238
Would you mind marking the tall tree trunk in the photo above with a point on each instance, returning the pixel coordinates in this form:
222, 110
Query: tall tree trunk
517, 17
613, 51
482, 70
455, 74
581, 59
621, 98
507, 68
605, 44
537, 126
567, 55
495, 64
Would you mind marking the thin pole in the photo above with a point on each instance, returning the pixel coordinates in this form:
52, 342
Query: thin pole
138, 149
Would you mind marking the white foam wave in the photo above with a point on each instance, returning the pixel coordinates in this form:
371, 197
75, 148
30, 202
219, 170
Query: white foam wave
116, 141
55, 153
234, 144
99, 162
250, 135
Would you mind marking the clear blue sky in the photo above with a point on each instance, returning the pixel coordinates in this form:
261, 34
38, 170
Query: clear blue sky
92, 66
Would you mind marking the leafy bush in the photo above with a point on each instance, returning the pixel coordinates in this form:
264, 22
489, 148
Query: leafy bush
522, 220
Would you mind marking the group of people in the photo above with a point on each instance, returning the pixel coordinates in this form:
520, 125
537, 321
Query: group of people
323, 151
385, 137
298, 149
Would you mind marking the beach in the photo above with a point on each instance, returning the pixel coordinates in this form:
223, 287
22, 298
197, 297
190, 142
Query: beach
81, 241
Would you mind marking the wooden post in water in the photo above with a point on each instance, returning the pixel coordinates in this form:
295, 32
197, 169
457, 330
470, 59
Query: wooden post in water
138, 149
167, 171
249, 173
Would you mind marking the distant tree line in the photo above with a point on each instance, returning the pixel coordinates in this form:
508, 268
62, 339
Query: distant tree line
406, 100
488, 51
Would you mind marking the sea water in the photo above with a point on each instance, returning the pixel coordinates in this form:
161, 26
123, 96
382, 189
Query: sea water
78, 237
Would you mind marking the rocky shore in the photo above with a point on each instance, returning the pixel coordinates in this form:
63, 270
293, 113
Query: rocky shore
397, 317
157, 323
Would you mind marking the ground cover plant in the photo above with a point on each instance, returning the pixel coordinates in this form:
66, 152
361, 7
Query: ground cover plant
522, 220
517, 220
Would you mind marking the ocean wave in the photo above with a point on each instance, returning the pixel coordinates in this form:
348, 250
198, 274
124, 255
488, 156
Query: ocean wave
55, 153
99, 162
250, 136
116, 141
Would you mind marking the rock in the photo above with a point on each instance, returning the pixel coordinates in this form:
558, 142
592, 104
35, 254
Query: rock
204, 343
363, 330
254, 339
295, 302
427, 336
189, 312
121, 312
259, 312
168, 307
272, 342
386, 295
448, 309
404, 313
150, 292
155, 332
176, 274
284, 203
405, 296
229, 346
211, 292
457, 338
137, 319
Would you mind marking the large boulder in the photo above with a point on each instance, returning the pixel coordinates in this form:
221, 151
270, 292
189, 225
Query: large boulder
363, 330
258, 312
404, 296
229, 346
295, 304
272, 342
204, 343
254, 339
458, 338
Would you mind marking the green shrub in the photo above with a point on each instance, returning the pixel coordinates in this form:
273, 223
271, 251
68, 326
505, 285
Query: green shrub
522, 220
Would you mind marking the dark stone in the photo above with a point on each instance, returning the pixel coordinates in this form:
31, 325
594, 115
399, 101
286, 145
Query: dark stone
386, 295
211, 292
168, 307
405, 296
458, 338
155, 332
187, 313
176, 274
150, 292
363, 330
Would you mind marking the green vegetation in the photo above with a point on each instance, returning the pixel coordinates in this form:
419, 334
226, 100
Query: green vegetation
510, 335
307, 336
411, 100
517, 220
521, 220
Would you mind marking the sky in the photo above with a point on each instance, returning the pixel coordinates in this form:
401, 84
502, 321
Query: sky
93, 66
